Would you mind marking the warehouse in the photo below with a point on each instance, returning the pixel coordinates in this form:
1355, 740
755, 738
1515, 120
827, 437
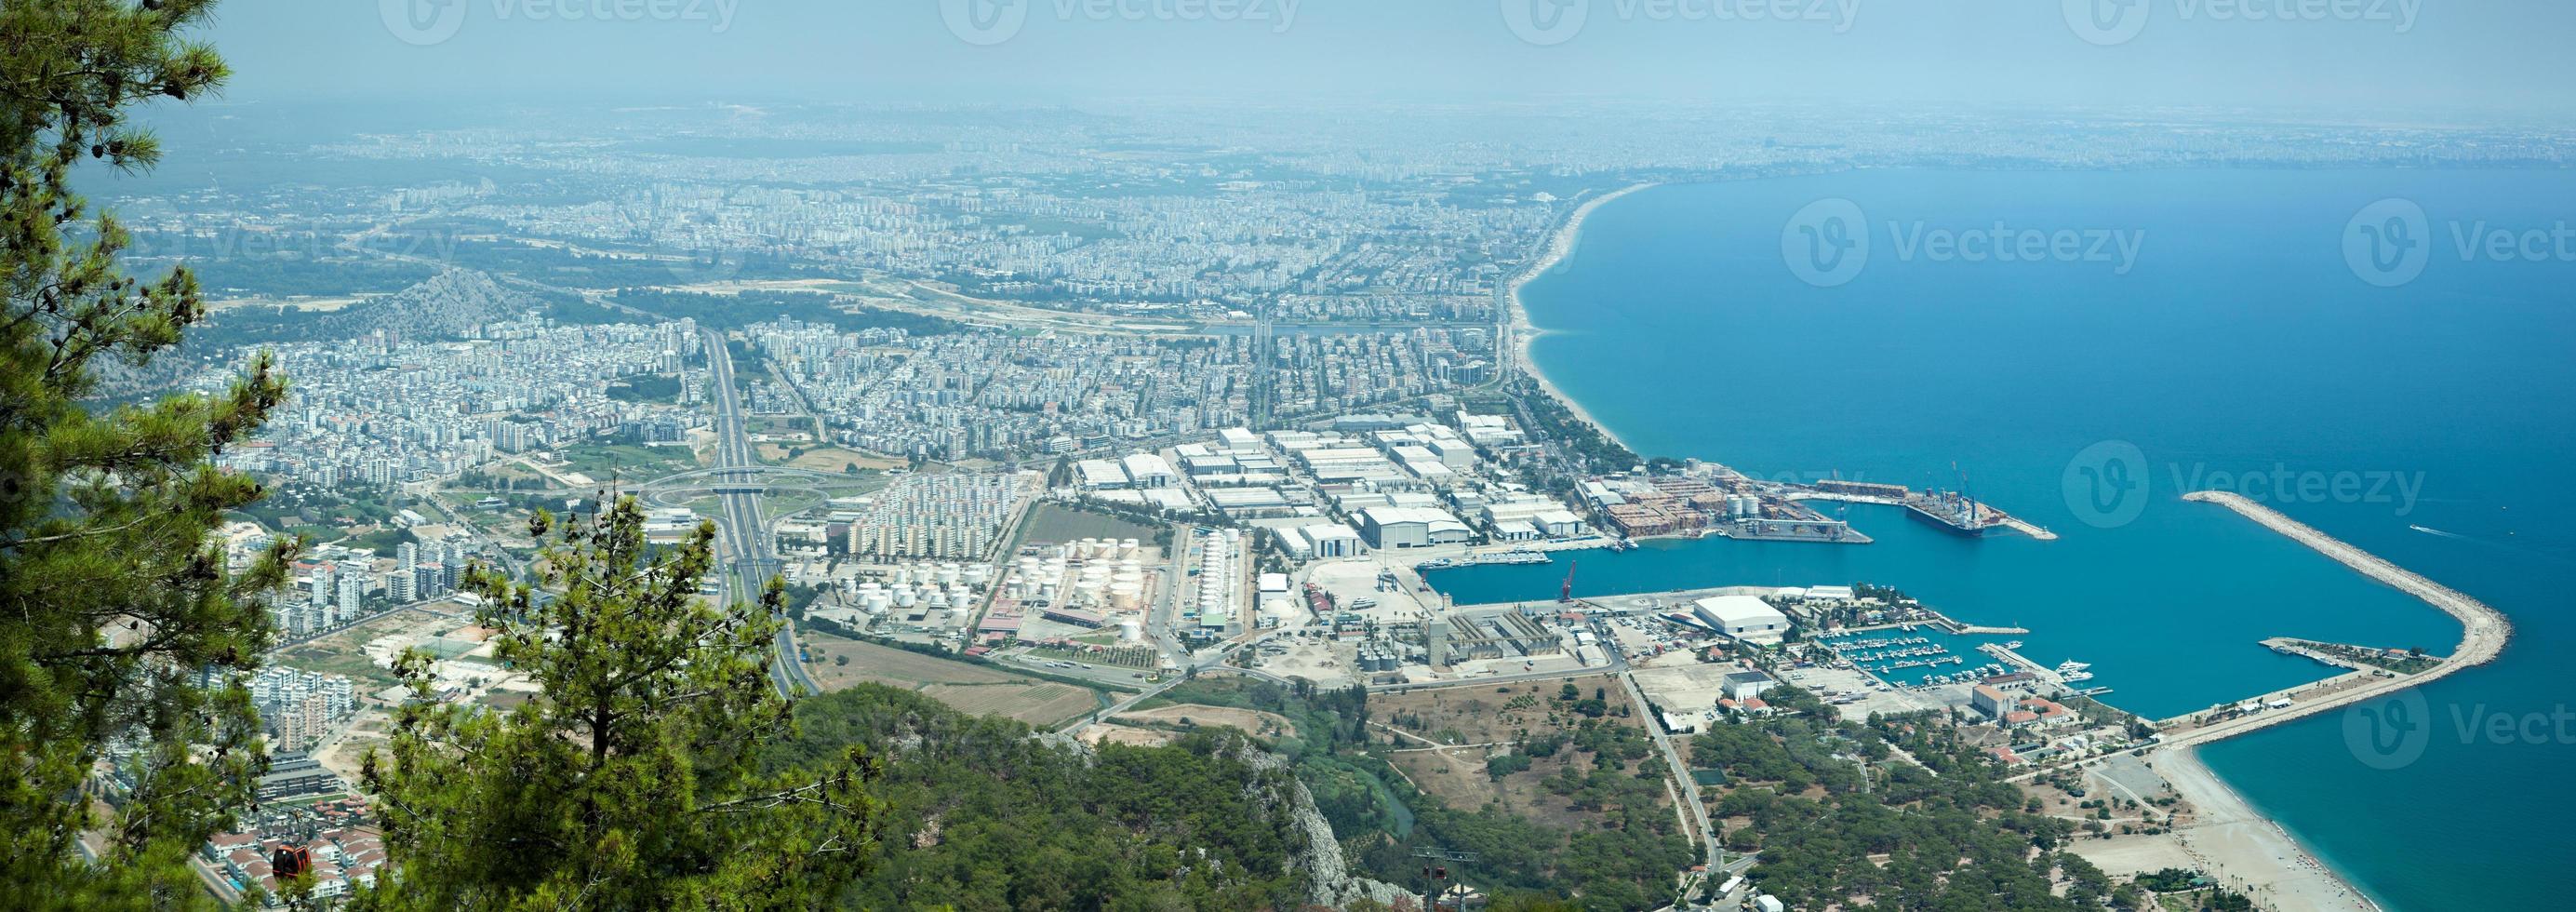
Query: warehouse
1402, 527
1099, 474
1744, 617
1148, 471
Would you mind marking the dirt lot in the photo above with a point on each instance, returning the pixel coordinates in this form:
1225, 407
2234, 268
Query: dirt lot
1482, 721
1251, 721
1120, 734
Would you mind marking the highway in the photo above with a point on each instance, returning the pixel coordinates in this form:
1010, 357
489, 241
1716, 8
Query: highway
742, 536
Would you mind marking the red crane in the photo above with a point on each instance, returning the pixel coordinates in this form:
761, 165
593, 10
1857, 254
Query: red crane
1565, 593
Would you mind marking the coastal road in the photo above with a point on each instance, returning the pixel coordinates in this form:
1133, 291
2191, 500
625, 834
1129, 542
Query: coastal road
741, 533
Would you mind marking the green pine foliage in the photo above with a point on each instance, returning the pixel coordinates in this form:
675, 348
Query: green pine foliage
631, 781
121, 721
1956, 840
984, 817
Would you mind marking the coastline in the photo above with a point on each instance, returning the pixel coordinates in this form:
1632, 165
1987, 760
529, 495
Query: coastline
2230, 839
2240, 847
1559, 246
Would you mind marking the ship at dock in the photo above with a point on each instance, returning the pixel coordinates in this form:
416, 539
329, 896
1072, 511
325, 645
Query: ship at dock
1956, 513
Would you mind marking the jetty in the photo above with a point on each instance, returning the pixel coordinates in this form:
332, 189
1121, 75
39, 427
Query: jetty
2484, 633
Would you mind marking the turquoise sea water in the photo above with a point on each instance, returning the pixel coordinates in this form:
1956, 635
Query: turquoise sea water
2238, 341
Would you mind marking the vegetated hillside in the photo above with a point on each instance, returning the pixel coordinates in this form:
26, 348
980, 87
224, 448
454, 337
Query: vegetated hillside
1620, 848
443, 306
984, 816
1953, 836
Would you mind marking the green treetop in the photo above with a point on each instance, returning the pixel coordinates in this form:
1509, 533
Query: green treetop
630, 780
125, 622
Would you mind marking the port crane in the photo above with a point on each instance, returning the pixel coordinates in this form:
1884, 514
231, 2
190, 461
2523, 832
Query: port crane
1565, 591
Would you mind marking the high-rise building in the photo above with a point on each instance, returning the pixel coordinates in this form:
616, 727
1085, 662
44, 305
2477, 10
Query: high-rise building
353, 595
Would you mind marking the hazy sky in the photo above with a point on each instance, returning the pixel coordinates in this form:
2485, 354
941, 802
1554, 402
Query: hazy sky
2455, 60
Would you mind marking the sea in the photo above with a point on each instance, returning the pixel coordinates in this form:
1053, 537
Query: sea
2386, 355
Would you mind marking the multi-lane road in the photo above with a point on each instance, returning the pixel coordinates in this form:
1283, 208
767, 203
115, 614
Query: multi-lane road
743, 535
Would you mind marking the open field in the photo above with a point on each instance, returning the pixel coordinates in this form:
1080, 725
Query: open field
1042, 704
1056, 524
1251, 721
1448, 735
971, 688
874, 664
835, 459
344, 652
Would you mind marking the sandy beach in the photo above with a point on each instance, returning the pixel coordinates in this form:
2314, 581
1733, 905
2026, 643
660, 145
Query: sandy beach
2232, 842
1559, 246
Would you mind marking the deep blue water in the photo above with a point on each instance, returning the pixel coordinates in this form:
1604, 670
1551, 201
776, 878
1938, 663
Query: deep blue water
2240, 340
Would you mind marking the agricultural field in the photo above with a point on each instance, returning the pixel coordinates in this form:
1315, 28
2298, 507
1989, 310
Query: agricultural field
969, 687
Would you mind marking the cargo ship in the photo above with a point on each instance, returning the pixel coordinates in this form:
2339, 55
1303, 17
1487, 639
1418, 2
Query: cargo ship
1955, 513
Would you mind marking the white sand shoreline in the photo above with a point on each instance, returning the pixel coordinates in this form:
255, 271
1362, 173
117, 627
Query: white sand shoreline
2239, 847
1559, 246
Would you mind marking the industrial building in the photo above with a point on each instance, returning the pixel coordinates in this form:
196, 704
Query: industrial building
1410, 527
1491, 635
1743, 617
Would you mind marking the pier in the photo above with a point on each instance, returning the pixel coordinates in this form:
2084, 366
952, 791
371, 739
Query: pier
2484, 632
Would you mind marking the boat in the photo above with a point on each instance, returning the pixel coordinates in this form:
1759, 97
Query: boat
2012, 644
2071, 665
